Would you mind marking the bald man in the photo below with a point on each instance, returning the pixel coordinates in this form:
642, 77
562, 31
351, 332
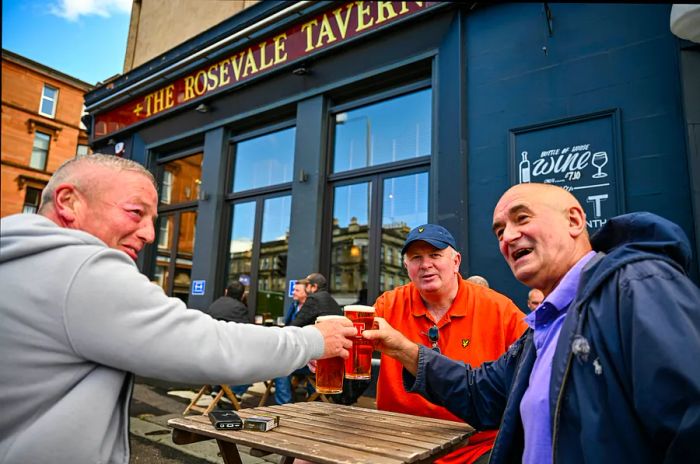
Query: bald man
607, 371
534, 299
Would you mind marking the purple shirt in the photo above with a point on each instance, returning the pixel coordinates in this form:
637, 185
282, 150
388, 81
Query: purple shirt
546, 321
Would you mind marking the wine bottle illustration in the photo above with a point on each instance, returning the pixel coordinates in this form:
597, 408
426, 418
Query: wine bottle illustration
524, 169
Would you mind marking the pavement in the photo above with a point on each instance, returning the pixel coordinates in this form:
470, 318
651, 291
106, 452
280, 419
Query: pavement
154, 403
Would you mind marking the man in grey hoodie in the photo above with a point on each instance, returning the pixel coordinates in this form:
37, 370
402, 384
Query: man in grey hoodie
69, 352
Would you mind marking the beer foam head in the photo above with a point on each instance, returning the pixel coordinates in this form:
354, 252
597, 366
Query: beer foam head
328, 318
359, 308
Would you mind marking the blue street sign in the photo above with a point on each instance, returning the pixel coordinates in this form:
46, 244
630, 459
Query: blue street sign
198, 287
291, 288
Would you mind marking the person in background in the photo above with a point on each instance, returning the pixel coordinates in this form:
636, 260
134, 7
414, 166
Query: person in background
607, 371
298, 299
71, 350
318, 302
438, 308
534, 299
230, 307
478, 280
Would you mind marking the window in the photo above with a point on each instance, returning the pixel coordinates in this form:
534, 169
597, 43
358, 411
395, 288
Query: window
260, 199
82, 151
181, 180
384, 132
177, 222
264, 161
31, 200
40, 151
49, 97
374, 209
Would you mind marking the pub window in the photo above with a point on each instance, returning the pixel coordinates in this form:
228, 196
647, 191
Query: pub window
264, 161
49, 97
385, 132
379, 187
260, 199
180, 176
40, 151
181, 180
31, 200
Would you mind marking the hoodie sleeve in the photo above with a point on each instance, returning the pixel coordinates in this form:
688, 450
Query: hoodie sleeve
114, 316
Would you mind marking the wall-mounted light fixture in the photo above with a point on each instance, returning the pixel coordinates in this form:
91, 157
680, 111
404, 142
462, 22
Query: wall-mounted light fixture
202, 108
301, 70
111, 142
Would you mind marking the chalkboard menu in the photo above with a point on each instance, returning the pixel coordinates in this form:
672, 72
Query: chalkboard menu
580, 154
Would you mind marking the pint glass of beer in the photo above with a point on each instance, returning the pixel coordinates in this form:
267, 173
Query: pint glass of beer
329, 371
359, 364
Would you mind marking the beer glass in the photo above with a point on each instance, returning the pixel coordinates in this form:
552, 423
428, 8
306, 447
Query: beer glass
359, 364
329, 371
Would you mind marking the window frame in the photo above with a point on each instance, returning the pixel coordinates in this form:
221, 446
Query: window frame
54, 100
77, 150
233, 141
25, 204
256, 195
375, 175
34, 147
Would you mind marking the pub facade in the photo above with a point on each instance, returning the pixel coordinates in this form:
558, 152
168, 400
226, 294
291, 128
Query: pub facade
312, 136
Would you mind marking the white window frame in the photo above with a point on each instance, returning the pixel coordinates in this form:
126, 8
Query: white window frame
46, 97
86, 149
34, 147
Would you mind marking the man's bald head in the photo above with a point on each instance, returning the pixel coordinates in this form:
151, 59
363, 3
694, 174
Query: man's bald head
549, 195
542, 233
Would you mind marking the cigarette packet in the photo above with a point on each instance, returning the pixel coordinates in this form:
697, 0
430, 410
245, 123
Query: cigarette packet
261, 423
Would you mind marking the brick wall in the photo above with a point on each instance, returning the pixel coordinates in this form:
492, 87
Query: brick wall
22, 86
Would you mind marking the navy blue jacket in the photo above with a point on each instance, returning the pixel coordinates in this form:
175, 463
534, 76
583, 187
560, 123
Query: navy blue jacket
625, 383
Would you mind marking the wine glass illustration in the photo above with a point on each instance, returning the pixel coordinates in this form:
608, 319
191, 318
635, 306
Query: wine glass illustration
599, 160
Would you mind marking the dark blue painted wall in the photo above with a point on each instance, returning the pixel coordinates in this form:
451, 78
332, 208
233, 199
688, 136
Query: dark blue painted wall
598, 57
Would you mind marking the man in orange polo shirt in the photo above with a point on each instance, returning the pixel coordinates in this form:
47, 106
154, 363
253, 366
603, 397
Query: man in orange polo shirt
441, 310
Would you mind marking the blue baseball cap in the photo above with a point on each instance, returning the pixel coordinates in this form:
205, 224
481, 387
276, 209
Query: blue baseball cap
436, 235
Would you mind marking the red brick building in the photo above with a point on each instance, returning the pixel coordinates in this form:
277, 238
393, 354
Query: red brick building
41, 128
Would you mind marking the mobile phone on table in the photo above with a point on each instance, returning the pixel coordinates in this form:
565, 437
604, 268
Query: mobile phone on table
225, 420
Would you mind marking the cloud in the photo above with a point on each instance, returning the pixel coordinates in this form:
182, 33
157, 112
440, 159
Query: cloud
73, 9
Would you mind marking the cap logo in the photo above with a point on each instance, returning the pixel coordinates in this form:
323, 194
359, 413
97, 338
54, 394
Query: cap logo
421, 229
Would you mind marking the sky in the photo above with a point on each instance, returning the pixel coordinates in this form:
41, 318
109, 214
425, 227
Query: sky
85, 39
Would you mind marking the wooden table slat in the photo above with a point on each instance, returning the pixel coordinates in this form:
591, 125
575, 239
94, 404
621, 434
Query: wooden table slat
334, 434
379, 445
440, 423
411, 441
403, 437
373, 423
280, 443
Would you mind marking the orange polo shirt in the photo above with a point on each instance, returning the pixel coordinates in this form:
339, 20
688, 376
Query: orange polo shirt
479, 326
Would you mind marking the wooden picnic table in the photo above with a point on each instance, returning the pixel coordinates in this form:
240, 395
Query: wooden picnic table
332, 434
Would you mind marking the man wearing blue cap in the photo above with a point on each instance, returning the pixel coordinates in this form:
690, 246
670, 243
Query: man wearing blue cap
439, 309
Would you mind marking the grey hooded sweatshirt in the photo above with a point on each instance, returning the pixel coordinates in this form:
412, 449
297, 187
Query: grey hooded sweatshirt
77, 319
